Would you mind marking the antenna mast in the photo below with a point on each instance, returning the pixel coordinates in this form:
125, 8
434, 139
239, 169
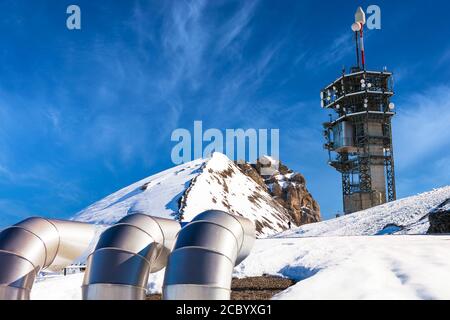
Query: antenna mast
358, 26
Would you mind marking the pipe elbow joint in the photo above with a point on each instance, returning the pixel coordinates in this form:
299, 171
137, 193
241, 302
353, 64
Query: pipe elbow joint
36, 244
125, 255
205, 254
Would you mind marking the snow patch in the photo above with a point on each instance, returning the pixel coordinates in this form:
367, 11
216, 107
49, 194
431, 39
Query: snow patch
383, 267
410, 215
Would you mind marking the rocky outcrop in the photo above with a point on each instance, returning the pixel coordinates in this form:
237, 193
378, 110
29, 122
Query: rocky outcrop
440, 219
288, 188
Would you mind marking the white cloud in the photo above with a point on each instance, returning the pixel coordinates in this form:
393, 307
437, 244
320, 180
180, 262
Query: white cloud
235, 26
339, 48
421, 127
422, 141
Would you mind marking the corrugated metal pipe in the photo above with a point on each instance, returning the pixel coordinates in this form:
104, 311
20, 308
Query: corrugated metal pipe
125, 255
35, 244
205, 253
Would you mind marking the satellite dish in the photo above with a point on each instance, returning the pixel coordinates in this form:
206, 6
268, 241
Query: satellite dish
391, 106
356, 27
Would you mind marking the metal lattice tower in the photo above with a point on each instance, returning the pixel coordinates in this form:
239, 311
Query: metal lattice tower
359, 133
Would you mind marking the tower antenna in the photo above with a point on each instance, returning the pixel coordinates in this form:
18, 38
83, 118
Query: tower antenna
360, 21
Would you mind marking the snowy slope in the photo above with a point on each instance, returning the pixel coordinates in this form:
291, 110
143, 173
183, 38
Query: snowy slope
405, 216
384, 267
186, 190
225, 187
158, 195
59, 287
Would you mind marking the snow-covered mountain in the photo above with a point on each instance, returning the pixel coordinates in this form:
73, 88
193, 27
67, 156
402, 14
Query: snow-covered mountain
327, 264
218, 183
186, 190
405, 216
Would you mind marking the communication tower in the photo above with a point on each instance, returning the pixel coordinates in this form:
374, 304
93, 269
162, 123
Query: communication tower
359, 133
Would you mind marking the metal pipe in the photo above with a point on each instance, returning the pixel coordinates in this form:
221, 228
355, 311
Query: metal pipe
36, 244
206, 251
125, 255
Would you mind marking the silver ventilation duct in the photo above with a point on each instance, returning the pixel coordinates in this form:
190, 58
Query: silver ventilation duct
35, 244
206, 251
126, 253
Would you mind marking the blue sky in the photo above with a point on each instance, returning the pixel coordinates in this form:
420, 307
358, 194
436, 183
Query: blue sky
84, 113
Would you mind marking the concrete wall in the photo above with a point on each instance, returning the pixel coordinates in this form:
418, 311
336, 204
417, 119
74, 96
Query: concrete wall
361, 201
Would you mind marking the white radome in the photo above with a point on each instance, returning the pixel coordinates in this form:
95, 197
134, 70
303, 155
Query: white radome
360, 16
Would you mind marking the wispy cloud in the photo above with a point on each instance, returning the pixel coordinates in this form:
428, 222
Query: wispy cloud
235, 27
12, 212
445, 57
240, 84
184, 40
421, 140
421, 126
339, 48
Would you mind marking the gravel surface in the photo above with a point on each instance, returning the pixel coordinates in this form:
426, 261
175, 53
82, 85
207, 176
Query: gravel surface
255, 288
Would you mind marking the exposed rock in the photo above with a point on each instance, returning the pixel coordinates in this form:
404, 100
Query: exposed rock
252, 172
277, 191
288, 188
440, 219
